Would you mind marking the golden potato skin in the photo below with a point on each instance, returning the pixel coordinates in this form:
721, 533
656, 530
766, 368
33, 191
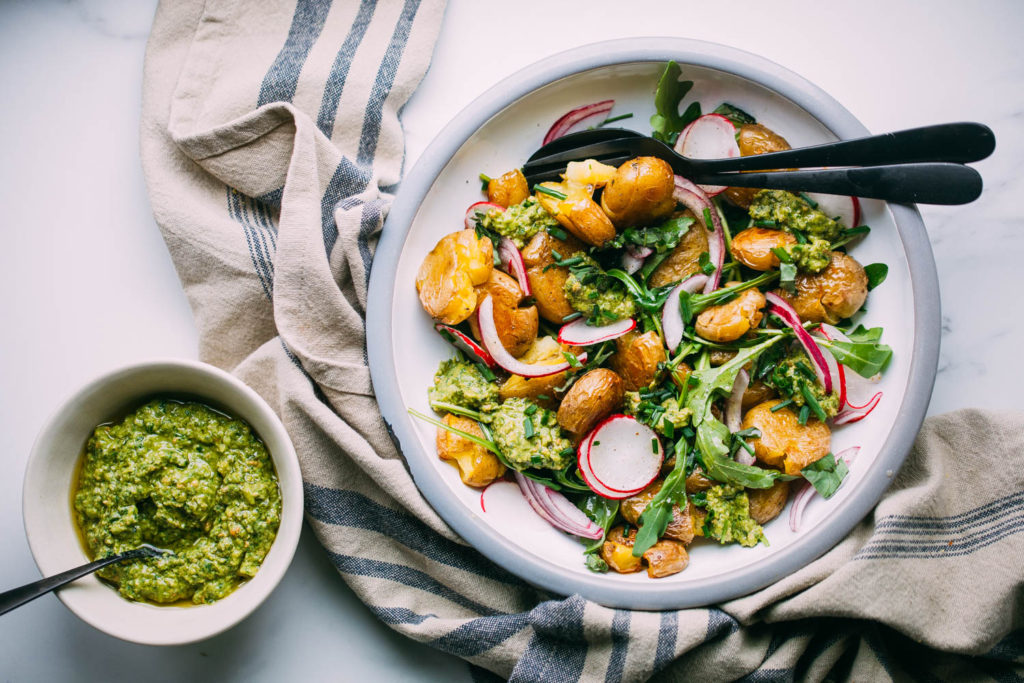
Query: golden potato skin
477, 466
697, 482
617, 551
665, 558
733, 319
757, 392
640, 193
753, 138
753, 247
586, 220
508, 189
784, 442
547, 280
594, 396
448, 276
636, 358
544, 351
831, 295
680, 527
684, 260
766, 504
517, 327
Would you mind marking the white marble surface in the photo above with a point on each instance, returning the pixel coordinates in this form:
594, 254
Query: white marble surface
88, 285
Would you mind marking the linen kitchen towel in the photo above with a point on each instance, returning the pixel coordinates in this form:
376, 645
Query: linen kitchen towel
272, 146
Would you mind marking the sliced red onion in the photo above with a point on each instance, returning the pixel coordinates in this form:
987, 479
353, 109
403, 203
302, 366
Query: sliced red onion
734, 406
492, 342
671, 317
807, 491
560, 514
781, 308
465, 344
694, 198
513, 264
579, 333
639, 252
835, 368
592, 113
851, 414
474, 210
630, 263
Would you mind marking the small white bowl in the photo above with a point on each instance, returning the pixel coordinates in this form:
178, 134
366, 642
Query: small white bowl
49, 519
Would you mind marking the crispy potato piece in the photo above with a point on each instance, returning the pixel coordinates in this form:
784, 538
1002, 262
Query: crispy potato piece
537, 252
831, 295
578, 212
784, 442
636, 358
697, 481
753, 247
547, 351
617, 551
665, 558
684, 260
733, 319
547, 280
766, 504
477, 466
448, 276
594, 396
680, 527
757, 392
508, 189
753, 138
517, 327
640, 193
698, 515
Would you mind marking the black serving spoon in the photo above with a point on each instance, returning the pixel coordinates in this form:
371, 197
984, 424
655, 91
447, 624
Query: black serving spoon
19, 596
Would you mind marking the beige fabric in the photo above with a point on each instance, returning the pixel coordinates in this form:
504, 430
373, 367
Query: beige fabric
271, 143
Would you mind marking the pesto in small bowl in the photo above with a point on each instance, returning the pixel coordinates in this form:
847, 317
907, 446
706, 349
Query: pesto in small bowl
185, 477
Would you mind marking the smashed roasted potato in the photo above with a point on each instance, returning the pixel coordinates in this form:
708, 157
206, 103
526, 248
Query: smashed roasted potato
449, 275
477, 466
784, 442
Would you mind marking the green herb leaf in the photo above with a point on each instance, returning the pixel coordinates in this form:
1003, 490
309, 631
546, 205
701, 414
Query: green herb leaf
734, 114
548, 191
787, 276
485, 180
602, 512
666, 122
613, 119
826, 475
713, 442
876, 272
867, 359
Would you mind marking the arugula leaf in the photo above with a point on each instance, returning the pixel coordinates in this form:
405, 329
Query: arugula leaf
695, 303
734, 114
658, 513
662, 238
707, 381
865, 335
826, 475
667, 122
602, 511
867, 359
876, 272
713, 441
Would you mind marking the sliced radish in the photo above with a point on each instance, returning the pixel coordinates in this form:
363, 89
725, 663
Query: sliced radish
475, 210
692, 197
630, 263
465, 344
579, 333
711, 136
856, 392
845, 209
849, 415
807, 490
583, 463
588, 114
492, 343
556, 509
671, 317
513, 264
624, 455
639, 252
835, 368
780, 307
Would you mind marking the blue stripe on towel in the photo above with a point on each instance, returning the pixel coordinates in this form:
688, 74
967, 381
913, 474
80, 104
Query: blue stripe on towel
399, 615
282, 77
342, 63
477, 636
668, 630
954, 547
558, 648
620, 646
978, 515
258, 261
348, 180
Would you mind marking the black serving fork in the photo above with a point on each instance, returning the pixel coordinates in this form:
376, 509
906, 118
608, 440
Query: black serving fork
919, 165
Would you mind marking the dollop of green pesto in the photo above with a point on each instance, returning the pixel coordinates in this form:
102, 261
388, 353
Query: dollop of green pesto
812, 257
794, 377
519, 222
786, 211
539, 445
728, 519
461, 383
666, 416
187, 478
601, 301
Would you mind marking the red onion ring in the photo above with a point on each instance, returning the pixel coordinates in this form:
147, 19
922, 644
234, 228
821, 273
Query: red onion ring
576, 117
671, 317
781, 308
492, 342
556, 509
695, 199
734, 406
512, 262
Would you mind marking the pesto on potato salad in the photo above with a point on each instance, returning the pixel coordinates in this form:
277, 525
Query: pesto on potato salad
716, 366
186, 478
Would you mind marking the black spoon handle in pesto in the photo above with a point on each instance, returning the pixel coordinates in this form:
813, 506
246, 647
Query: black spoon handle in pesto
19, 596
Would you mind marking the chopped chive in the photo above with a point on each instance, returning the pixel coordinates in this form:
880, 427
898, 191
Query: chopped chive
571, 316
558, 234
670, 429
567, 451
654, 445
746, 446
783, 255
596, 443
780, 406
813, 403
485, 180
800, 237
555, 255
486, 372
573, 360
574, 261
613, 119
704, 262
548, 191
528, 428
543, 397
766, 223
813, 204
805, 412
707, 220
530, 409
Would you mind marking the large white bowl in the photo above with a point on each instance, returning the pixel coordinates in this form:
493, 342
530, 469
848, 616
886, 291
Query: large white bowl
49, 518
498, 132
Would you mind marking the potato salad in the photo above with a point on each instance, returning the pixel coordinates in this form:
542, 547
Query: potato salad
658, 365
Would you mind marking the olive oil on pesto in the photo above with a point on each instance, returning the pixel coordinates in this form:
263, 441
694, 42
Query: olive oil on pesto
182, 476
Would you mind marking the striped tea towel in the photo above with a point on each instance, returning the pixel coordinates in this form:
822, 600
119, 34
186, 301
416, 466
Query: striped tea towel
272, 146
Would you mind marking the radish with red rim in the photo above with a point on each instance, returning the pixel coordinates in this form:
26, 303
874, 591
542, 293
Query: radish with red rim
583, 464
465, 344
781, 308
711, 136
624, 455
492, 343
592, 114
579, 333
672, 324
836, 206
474, 212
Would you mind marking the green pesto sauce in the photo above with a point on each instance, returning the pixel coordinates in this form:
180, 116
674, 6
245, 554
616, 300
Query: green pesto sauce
791, 213
602, 304
546, 447
519, 222
183, 477
729, 519
812, 257
658, 416
793, 373
461, 383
